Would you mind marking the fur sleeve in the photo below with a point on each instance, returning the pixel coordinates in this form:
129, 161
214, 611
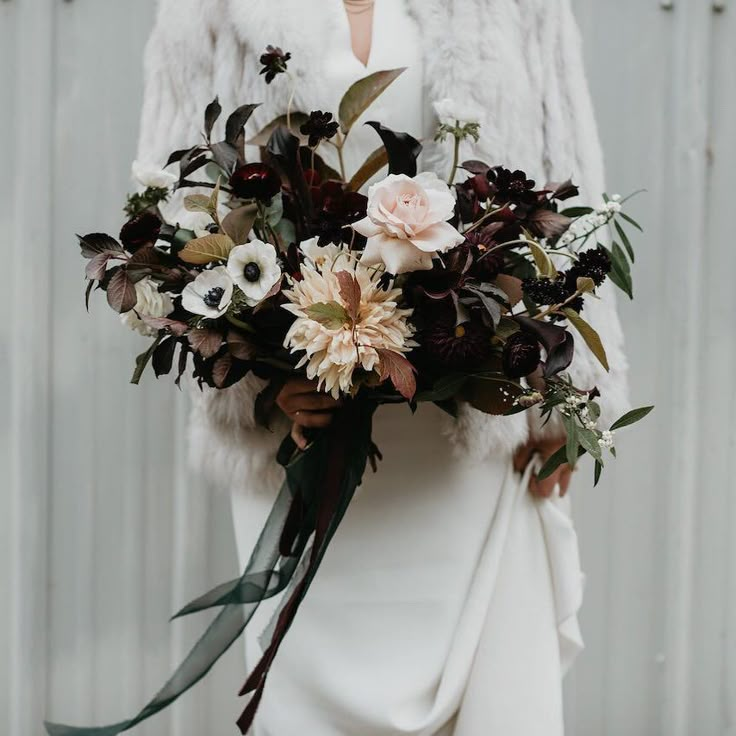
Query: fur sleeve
180, 67
572, 148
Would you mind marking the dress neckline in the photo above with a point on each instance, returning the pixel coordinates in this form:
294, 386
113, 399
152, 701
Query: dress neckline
349, 35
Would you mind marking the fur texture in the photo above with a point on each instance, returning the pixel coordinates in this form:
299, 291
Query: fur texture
537, 114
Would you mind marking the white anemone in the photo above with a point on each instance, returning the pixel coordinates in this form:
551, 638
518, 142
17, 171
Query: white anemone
319, 256
148, 175
150, 302
254, 267
210, 294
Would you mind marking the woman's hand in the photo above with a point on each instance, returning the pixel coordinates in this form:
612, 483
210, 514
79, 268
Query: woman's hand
307, 407
543, 448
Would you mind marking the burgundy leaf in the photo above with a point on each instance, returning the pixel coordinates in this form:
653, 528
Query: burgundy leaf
239, 346
95, 243
205, 342
401, 372
121, 294
350, 293
163, 356
175, 327
97, 266
220, 370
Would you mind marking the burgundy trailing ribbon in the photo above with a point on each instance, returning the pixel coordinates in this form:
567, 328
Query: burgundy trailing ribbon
331, 505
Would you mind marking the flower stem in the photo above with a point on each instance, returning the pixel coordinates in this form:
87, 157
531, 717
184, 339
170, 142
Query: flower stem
455, 158
291, 99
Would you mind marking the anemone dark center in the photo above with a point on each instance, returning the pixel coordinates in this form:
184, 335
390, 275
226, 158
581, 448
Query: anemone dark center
213, 296
252, 271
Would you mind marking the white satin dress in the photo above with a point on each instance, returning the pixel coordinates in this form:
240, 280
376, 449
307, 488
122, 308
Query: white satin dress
446, 605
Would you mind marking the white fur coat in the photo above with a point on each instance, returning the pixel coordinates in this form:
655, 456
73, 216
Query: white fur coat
517, 60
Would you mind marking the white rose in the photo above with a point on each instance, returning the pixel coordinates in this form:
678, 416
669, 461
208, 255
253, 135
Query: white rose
317, 255
150, 302
210, 294
449, 111
151, 176
407, 223
254, 267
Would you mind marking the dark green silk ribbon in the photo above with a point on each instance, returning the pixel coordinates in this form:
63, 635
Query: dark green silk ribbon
319, 485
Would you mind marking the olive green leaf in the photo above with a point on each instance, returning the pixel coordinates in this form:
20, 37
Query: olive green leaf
591, 337
362, 94
330, 314
209, 248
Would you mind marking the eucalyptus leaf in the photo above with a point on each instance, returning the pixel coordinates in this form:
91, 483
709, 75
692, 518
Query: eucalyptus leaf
631, 417
239, 222
625, 240
631, 221
361, 95
597, 473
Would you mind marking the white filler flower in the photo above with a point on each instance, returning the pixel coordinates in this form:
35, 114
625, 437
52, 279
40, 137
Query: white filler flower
334, 345
148, 175
150, 303
450, 111
407, 223
319, 256
254, 267
210, 294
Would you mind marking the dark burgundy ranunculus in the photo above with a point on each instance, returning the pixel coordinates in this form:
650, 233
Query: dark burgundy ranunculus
335, 209
512, 186
487, 265
141, 230
319, 127
255, 181
521, 355
274, 62
471, 193
453, 346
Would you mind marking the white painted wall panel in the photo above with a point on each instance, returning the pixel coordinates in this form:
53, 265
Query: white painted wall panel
104, 533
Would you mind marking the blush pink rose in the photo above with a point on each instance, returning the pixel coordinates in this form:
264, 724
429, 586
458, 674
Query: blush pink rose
406, 224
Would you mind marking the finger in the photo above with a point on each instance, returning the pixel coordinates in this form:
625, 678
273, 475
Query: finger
565, 478
522, 457
297, 434
543, 488
300, 385
313, 418
315, 402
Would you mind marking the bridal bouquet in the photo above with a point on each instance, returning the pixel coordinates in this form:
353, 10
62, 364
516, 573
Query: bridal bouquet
469, 286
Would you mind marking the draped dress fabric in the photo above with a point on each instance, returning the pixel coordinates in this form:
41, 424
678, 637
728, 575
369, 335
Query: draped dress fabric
446, 605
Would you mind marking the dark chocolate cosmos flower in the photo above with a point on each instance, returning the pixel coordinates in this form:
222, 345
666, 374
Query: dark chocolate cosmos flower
274, 62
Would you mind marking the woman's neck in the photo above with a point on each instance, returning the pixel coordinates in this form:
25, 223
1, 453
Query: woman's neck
360, 17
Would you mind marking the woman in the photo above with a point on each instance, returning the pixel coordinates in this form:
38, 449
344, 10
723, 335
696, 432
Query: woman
447, 602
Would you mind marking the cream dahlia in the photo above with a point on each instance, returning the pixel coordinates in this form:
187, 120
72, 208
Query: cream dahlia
345, 321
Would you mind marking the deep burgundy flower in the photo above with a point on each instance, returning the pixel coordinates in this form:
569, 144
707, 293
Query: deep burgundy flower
521, 355
594, 264
512, 186
553, 291
141, 230
274, 62
255, 181
453, 346
335, 209
319, 127
487, 265
471, 193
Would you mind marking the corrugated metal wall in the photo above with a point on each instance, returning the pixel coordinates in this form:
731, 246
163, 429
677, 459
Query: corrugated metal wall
102, 536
